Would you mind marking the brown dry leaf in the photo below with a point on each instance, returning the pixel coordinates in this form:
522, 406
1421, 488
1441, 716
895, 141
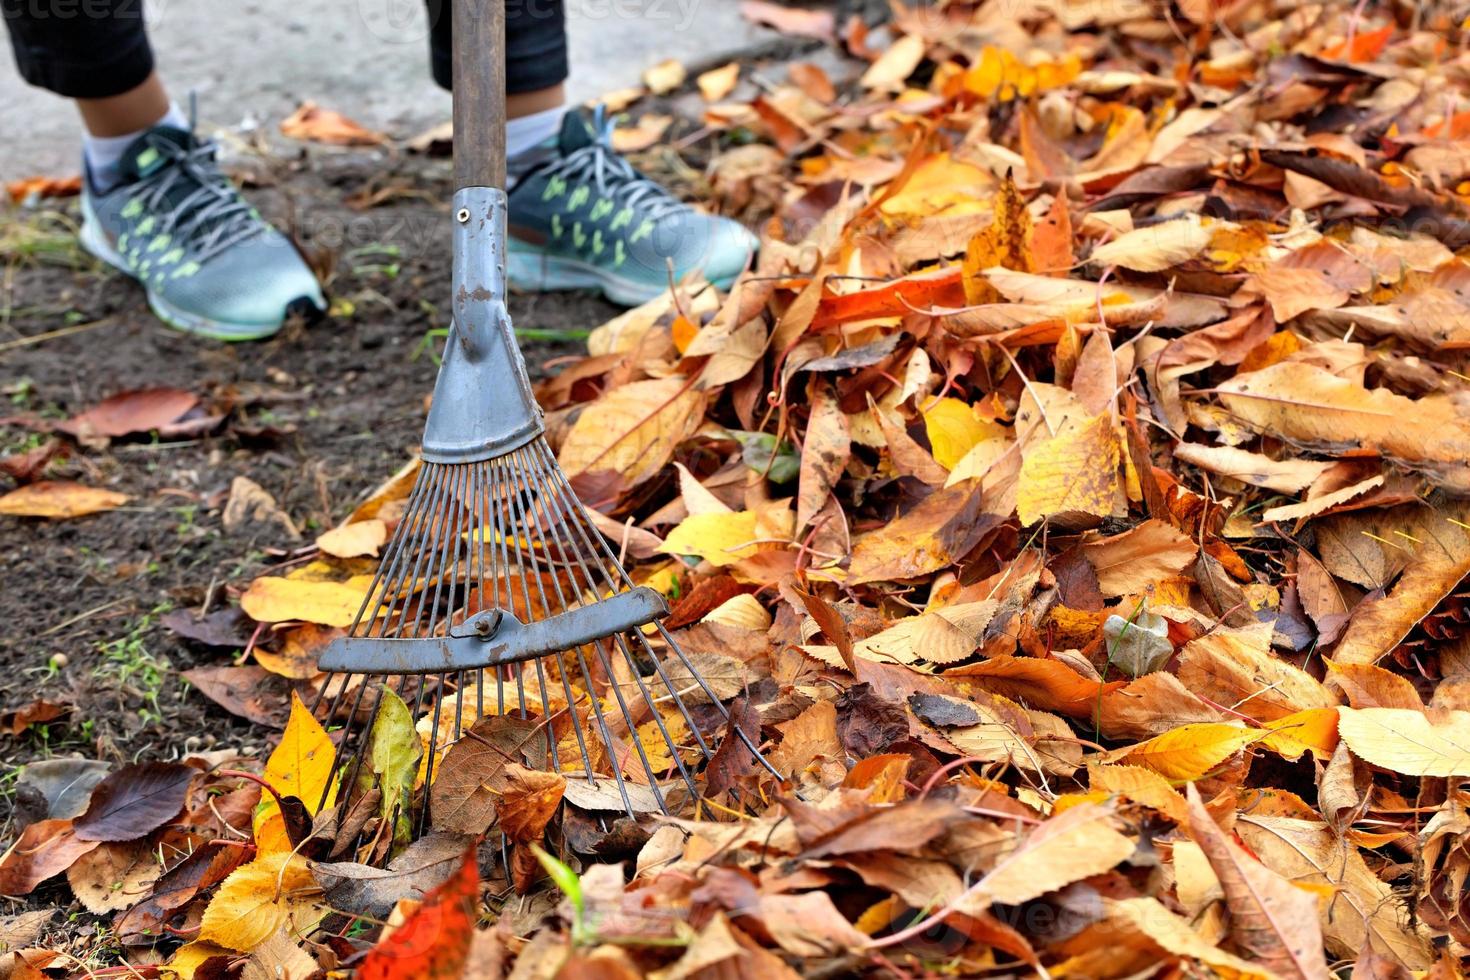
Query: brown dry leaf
1128, 563
646, 132
115, 876
59, 500
896, 64
1360, 911
1156, 247
527, 800
796, 21
1367, 686
632, 430
1378, 625
250, 505
824, 455
45, 848
1236, 667
1073, 472
932, 536
1272, 922
1076, 844
315, 124
1308, 405
355, 540
1283, 475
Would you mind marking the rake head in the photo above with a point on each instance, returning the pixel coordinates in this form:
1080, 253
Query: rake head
498, 597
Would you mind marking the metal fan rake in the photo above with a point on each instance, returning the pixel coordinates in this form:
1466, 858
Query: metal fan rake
497, 594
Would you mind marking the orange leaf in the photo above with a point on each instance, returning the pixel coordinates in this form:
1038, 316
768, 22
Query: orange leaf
58, 500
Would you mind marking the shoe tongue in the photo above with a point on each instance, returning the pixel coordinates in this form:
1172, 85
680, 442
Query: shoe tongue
143, 156
576, 132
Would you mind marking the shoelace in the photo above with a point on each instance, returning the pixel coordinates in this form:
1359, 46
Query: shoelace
615, 176
211, 216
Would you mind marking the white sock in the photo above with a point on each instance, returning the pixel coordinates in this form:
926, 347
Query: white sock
529, 133
104, 153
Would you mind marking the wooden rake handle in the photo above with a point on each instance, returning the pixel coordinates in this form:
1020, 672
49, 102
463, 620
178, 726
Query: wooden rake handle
479, 93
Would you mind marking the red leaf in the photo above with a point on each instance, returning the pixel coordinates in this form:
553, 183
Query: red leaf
434, 941
130, 411
48, 847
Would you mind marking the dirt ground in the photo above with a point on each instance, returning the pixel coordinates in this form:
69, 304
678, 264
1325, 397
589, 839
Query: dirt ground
317, 416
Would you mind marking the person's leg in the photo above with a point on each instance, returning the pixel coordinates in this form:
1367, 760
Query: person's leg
581, 217
154, 203
535, 73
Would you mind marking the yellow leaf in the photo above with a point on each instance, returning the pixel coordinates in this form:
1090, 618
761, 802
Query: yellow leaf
717, 83
275, 600
744, 611
58, 500
1190, 751
941, 185
725, 538
1074, 471
301, 766
191, 956
632, 429
354, 540
274, 891
954, 430
664, 76
1313, 730
1141, 786
1414, 743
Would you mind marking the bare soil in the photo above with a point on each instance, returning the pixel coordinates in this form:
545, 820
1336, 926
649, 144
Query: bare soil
317, 416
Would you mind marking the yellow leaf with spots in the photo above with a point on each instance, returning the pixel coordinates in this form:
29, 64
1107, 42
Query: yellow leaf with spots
301, 766
273, 892
1075, 471
1189, 751
1004, 243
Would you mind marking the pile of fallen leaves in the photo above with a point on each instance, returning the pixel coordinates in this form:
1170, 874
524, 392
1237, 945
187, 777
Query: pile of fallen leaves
1075, 484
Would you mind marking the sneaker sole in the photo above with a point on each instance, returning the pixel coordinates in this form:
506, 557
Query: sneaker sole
539, 272
94, 241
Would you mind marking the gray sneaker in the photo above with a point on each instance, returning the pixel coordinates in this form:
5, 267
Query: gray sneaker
584, 218
208, 262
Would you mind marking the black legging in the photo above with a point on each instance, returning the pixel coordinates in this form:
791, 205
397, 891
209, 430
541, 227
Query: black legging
93, 49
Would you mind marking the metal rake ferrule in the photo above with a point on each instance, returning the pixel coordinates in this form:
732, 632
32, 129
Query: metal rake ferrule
494, 637
483, 406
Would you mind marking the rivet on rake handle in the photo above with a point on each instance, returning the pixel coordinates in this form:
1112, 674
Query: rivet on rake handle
495, 637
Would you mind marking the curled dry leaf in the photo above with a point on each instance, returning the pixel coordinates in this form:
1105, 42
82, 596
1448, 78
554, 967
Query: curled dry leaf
312, 123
